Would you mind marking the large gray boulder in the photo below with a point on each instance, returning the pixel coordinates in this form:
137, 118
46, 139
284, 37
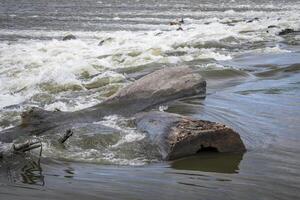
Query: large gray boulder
178, 136
158, 87
151, 90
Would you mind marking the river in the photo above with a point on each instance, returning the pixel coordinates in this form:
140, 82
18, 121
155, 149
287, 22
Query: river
253, 85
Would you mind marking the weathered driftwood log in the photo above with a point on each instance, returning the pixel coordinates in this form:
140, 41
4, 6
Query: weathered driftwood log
179, 136
26, 146
158, 87
20, 148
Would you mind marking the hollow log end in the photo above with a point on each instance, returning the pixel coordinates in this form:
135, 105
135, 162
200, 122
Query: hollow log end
190, 137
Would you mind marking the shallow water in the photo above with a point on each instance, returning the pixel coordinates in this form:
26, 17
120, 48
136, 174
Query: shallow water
253, 86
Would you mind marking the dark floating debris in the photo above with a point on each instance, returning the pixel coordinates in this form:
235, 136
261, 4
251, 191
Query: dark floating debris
159, 33
181, 21
286, 31
252, 20
103, 41
66, 136
174, 23
273, 26
69, 37
57, 110
177, 22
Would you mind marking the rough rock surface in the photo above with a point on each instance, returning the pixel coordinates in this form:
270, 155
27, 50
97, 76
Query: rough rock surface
155, 88
179, 136
158, 87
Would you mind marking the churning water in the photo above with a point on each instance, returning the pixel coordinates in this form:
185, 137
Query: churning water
253, 86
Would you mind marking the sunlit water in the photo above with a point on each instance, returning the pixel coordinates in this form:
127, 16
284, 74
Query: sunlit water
253, 86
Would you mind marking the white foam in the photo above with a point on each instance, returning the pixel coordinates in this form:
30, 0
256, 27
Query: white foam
27, 67
129, 134
275, 49
73, 153
10, 99
163, 108
27, 64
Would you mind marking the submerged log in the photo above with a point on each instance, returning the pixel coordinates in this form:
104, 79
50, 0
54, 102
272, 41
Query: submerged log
153, 89
178, 136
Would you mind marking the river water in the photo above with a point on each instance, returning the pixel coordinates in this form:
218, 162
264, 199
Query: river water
253, 86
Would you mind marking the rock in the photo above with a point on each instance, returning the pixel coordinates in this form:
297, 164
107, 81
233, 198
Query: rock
179, 136
151, 90
69, 37
286, 31
158, 87
273, 26
174, 23
177, 22
176, 136
98, 82
252, 20
159, 33
181, 21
